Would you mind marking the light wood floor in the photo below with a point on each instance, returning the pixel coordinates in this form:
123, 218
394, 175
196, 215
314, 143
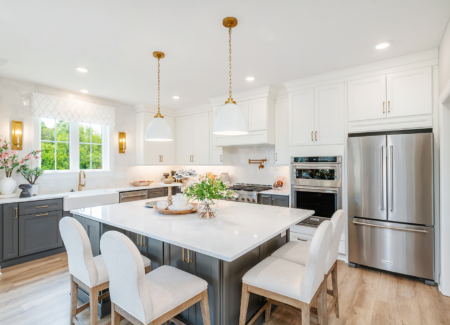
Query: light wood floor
38, 293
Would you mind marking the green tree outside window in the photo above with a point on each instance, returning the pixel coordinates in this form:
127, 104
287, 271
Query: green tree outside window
55, 144
90, 146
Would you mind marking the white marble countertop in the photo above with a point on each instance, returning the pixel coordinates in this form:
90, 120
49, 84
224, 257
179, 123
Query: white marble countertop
238, 228
84, 193
285, 191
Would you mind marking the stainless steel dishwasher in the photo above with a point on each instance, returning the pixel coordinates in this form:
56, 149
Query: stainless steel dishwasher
133, 196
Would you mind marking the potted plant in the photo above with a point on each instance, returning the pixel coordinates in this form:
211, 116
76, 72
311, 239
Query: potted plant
208, 190
31, 175
9, 160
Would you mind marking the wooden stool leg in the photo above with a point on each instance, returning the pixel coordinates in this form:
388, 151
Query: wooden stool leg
334, 281
73, 299
306, 313
244, 304
319, 304
115, 317
93, 304
204, 305
269, 308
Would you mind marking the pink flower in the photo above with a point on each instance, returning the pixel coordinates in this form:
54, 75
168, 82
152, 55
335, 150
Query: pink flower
1, 156
37, 150
9, 163
21, 162
27, 156
14, 152
6, 155
36, 157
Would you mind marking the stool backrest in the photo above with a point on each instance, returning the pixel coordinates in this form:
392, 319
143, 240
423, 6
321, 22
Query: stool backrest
79, 252
315, 265
127, 283
337, 220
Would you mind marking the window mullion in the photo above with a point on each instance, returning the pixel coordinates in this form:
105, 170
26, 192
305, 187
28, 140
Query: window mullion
74, 146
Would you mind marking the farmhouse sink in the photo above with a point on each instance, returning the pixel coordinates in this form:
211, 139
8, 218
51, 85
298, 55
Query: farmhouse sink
86, 199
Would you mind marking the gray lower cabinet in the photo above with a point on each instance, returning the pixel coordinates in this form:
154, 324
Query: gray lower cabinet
10, 231
1, 233
275, 200
265, 199
94, 234
39, 232
157, 192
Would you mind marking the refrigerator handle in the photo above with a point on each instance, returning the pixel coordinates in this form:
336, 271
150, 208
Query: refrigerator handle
382, 178
391, 170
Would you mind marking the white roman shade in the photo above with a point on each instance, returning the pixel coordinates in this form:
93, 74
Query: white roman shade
47, 106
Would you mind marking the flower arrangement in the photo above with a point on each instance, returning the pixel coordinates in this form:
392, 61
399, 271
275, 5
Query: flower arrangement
30, 174
9, 160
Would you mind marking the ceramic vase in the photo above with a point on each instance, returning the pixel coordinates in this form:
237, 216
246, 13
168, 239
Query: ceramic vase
7, 186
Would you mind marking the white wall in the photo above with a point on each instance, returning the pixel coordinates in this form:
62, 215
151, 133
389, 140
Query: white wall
444, 59
14, 105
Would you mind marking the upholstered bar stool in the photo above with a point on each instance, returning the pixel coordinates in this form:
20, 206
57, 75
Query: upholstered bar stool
86, 271
298, 252
290, 285
148, 299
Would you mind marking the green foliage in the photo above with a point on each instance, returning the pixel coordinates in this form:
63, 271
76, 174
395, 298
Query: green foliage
208, 189
30, 174
9, 158
90, 146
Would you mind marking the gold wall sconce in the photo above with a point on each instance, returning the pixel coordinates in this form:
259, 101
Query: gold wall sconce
257, 161
122, 142
16, 135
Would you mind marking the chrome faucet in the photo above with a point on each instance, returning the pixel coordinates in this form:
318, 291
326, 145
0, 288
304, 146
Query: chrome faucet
80, 186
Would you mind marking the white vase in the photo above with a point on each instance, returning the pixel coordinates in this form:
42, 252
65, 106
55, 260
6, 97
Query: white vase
34, 189
7, 185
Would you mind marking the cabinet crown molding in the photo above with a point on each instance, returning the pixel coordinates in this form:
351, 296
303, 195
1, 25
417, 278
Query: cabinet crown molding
266, 91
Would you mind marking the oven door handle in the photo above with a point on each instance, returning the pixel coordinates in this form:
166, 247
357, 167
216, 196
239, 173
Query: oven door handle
316, 166
316, 189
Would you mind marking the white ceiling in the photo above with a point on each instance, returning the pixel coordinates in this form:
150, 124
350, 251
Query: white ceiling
275, 41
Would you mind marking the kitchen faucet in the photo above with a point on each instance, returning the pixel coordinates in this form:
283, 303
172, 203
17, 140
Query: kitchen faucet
80, 186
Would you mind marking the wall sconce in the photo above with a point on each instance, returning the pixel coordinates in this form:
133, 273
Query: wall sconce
16, 135
122, 142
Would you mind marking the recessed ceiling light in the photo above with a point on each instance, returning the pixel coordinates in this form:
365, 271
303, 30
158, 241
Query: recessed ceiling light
81, 69
176, 97
250, 78
84, 91
383, 45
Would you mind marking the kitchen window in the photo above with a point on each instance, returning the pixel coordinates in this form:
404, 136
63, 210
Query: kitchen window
55, 144
90, 137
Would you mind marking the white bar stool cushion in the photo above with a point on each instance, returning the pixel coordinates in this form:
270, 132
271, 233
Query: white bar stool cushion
298, 252
102, 272
291, 279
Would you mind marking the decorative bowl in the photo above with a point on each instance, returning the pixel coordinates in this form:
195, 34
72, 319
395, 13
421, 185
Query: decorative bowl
141, 183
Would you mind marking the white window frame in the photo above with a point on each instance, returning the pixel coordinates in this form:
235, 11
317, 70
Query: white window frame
74, 147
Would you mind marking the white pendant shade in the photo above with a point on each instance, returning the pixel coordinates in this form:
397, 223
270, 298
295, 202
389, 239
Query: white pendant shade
230, 121
158, 130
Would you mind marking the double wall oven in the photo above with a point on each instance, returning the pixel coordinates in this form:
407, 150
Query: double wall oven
316, 184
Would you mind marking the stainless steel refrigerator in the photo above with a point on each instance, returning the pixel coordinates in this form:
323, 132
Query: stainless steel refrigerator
390, 196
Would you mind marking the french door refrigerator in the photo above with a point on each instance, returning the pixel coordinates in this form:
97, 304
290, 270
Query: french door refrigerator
390, 196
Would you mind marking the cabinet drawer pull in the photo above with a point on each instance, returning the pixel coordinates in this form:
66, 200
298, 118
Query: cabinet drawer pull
42, 206
42, 214
221, 158
162, 158
312, 135
302, 239
384, 111
316, 135
188, 258
182, 253
389, 106
16, 212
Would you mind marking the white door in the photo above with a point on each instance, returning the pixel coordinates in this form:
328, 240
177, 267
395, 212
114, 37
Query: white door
152, 148
257, 114
301, 117
329, 114
367, 98
200, 138
184, 140
409, 92
216, 155
282, 132
167, 148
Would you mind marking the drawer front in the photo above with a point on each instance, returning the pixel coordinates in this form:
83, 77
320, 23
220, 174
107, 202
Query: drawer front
295, 236
39, 232
40, 206
132, 196
304, 230
265, 199
156, 192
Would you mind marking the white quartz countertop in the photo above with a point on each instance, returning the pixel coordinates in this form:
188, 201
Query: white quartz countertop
84, 193
238, 228
284, 191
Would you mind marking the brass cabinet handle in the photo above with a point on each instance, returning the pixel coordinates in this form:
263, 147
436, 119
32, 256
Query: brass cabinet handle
221, 158
162, 158
42, 206
184, 259
312, 135
302, 239
42, 214
384, 111
316, 135
389, 106
16, 212
188, 258
182, 253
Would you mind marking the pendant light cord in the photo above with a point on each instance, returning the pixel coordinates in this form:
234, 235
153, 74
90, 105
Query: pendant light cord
159, 87
229, 90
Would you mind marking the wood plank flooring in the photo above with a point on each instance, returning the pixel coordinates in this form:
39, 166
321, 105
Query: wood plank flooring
37, 292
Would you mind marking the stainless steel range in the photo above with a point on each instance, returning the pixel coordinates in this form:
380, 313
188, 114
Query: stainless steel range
248, 192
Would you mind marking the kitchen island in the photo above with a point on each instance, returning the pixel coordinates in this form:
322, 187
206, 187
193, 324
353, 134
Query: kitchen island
219, 250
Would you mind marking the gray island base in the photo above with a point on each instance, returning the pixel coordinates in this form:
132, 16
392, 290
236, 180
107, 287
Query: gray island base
220, 250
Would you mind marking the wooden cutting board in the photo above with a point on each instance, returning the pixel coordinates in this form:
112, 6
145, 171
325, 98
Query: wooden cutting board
176, 213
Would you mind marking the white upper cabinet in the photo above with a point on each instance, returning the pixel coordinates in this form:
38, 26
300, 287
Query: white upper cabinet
317, 116
409, 92
216, 153
405, 93
329, 114
153, 152
367, 98
193, 132
257, 114
282, 132
301, 127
